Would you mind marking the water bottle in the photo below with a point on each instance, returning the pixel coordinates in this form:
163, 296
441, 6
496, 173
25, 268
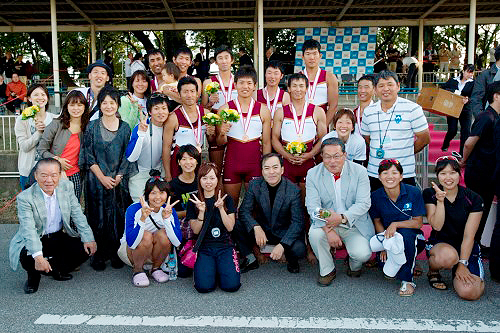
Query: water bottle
172, 267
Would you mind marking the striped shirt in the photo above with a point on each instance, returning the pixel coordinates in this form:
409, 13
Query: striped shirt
402, 121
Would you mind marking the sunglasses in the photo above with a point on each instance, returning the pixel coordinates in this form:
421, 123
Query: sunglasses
446, 158
153, 179
389, 161
158, 95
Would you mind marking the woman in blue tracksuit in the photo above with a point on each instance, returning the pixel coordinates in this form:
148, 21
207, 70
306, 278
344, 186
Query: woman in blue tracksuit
151, 229
398, 207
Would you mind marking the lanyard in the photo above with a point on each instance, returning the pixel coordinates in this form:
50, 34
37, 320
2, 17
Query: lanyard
311, 90
275, 101
299, 127
245, 123
380, 130
227, 96
197, 131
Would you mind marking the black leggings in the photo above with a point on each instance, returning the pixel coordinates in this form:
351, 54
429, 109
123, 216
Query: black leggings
465, 123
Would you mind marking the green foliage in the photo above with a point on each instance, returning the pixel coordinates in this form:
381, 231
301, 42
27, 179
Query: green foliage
392, 35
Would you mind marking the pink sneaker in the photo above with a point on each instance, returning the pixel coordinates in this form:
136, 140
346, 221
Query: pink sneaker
140, 280
160, 276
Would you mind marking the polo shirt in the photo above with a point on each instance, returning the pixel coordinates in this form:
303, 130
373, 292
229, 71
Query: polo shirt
402, 121
456, 214
408, 205
355, 146
483, 156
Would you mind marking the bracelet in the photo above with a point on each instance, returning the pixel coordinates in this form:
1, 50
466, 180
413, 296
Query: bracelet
201, 220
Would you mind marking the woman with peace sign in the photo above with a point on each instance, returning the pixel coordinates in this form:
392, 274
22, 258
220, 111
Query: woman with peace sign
212, 215
454, 212
151, 228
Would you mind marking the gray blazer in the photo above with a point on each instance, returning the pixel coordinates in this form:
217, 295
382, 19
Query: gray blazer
355, 193
33, 217
478, 98
54, 139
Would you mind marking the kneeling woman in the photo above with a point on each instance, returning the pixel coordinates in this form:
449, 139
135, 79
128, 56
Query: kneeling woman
454, 213
397, 208
151, 228
212, 217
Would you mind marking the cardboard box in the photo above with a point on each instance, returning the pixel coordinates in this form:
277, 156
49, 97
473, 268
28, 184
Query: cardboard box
440, 101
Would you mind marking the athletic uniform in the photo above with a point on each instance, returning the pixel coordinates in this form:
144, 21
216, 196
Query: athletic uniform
317, 93
229, 91
242, 158
273, 104
186, 134
289, 129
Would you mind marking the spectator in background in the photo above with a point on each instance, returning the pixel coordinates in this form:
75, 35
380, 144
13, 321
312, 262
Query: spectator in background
128, 73
3, 95
8, 66
137, 64
30, 70
410, 68
444, 59
380, 63
108, 60
20, 68
214, 68
16, 94
478, 98
244, 57
271, 55
392, 57
430, 57
492, 53
455, 58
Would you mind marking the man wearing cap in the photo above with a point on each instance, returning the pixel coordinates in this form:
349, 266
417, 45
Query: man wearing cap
99, 76
338, 200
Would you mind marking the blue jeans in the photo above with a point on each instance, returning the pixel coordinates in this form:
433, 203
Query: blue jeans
216, 263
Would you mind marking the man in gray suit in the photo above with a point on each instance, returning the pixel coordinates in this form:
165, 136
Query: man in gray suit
271, 213
45, 242
338, 200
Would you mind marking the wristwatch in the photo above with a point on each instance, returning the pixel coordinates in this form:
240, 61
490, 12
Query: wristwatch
464, 262
344, 219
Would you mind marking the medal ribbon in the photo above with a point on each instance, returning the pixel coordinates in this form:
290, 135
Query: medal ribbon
311, 90
227, 96
299, 127
197, 131
245, 123
275, 101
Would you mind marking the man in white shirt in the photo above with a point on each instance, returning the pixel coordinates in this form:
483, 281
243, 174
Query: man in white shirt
394, 128
341, 190
128, 72
46, 242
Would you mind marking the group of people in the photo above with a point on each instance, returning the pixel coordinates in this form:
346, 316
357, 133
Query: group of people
338, 188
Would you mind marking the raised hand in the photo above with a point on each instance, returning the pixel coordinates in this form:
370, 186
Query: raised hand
200, 205
145, 210
220, 200
213, 99
167, 211
440, 195
143, 125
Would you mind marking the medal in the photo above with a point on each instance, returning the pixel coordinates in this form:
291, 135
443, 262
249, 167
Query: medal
311, 90
197, 131
299, 126
245, 122
275, 101
227, 96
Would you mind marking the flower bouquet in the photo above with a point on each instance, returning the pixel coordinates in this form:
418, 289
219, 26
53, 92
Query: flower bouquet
212, 119
212, 88
230, 115
30, 112
296, 148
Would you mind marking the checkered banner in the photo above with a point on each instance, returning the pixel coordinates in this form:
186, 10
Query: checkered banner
344, 50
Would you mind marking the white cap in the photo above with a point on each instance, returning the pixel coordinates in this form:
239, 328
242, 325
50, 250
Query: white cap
395, 251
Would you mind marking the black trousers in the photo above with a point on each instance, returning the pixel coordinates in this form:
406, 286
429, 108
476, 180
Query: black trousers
246, 241
465, 123
483, 184
63, 252
375, 183
495, 246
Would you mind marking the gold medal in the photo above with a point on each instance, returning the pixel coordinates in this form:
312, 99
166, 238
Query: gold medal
245, 137
311, 100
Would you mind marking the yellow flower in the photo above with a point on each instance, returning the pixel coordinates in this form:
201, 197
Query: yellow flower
296, 148
30, 112
211, 119
212, 88
230, 115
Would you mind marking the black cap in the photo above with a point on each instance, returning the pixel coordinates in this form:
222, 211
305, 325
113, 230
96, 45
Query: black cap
100, 63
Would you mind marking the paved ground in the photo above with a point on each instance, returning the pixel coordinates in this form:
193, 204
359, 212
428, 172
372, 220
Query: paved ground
267, 294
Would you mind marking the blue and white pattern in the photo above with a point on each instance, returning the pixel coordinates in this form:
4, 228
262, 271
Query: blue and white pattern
344, 50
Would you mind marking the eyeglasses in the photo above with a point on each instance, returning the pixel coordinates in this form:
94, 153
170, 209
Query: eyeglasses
333, 157
389, 161
446, 158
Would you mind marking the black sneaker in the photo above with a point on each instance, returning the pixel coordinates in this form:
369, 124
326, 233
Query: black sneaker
246, 266
293, 267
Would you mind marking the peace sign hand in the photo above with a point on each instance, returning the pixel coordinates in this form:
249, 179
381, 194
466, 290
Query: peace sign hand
440, 195
167, 210
143, 123
200, 205
220, 201
145, 210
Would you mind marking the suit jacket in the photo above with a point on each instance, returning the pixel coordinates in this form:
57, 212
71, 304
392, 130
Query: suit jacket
478, 98
355, 192
33, 218
285, 220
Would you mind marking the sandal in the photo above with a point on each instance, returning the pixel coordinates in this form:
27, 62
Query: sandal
418, 271
140, 279
159, 275
404, 291
436, 281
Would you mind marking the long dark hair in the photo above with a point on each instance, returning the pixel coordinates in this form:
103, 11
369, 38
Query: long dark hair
32, 88
74, 96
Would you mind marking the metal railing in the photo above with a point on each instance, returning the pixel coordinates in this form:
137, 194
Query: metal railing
8, 141
422, 168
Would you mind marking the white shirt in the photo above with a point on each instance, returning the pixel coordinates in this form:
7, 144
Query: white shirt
409, 60
54, 217
127, 68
